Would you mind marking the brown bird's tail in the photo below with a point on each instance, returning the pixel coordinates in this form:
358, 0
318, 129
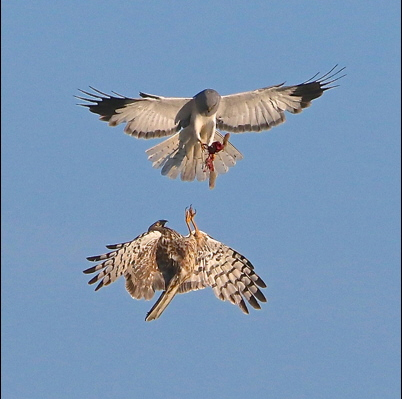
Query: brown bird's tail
164, 300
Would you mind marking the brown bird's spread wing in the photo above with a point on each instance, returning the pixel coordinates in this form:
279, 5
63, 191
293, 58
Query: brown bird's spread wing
136, 261
229, 273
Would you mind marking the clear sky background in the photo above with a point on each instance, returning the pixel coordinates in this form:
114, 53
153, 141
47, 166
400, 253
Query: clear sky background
314, 204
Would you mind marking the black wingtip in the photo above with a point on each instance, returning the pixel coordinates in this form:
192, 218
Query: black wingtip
93, 259
146, 95
243, 307
327, 78
88, 271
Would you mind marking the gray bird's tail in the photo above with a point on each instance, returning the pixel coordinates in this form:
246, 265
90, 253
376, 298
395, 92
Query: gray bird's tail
187, 158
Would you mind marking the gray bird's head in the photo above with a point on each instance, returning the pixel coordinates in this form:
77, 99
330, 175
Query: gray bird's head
207, 102
157, 226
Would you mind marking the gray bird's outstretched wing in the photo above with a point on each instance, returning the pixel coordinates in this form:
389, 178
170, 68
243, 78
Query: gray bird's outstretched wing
257, 110
147, 117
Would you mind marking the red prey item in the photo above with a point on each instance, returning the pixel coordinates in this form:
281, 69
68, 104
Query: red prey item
212, 149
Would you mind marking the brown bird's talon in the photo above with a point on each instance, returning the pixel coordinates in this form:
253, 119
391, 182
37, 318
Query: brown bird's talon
192, 211
188, 218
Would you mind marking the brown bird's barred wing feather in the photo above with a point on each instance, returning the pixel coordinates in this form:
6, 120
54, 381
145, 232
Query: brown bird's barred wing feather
229, 273
136, 261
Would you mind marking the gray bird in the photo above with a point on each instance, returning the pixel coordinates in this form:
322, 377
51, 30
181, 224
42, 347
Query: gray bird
197, 149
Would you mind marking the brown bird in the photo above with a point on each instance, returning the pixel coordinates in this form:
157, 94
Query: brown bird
194, 122
163, 259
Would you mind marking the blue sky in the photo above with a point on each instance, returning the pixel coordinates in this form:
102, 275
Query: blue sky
314, 204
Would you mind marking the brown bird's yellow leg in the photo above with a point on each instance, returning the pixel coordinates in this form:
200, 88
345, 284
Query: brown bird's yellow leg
188, 217
192, 213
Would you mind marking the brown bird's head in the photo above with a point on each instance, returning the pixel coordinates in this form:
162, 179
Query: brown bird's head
157, 226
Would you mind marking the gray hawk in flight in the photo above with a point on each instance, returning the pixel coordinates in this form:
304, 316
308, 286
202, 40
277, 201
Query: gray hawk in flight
163, 259
196, 149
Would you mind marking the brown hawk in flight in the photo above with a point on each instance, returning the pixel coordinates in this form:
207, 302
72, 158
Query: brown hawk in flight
197, 149
163, 259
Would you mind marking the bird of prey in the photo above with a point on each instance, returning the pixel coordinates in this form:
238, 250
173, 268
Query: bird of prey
197, 149
163, 259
